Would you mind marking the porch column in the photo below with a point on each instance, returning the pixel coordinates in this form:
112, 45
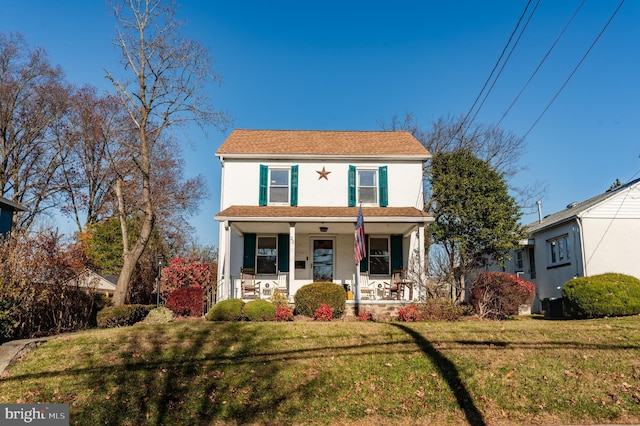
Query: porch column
421, 249
227, 258
292, 253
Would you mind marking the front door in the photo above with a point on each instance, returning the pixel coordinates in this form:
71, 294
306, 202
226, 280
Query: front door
322, 261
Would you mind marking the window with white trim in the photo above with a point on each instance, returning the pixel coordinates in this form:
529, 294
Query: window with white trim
379, 257
558, 251
367, 186
519, 260
278, 185
267, 255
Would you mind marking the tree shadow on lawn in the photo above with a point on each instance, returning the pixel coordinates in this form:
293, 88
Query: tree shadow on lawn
449, 373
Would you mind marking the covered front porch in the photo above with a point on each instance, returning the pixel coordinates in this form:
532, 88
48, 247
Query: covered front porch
281, 247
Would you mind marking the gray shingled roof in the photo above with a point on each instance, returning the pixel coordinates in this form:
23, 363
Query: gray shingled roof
574, 209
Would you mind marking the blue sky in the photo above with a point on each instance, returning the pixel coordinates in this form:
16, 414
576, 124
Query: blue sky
350, 65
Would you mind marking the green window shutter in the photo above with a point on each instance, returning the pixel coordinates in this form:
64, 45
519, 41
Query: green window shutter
264, 185
396, 252
364, 263
352, 186
294, 185
249, 257
283, 252
384, 186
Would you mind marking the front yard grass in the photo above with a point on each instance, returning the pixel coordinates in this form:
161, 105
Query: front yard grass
522, 371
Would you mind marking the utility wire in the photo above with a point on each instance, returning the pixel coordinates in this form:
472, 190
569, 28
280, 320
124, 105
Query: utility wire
540, 64
574, 70
464, 120
513, 47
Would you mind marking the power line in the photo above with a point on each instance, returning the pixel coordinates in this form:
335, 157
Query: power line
464, 120
574, 70
540, 64
513, 47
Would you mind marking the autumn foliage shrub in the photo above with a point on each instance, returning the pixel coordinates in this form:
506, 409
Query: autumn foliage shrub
159, 315
33, 299
364, 316
187, 301
441, 309
323, 313
408, 313
311, 296
284, 313
182, 286
602, 295
259, 310
498, 295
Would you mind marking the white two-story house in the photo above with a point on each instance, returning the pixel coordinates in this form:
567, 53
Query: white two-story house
290, 201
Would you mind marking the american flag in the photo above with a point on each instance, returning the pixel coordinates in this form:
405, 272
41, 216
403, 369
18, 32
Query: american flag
360, 250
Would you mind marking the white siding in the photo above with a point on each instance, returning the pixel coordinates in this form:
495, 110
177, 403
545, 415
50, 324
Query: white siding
241, 182
625, 205
611, 245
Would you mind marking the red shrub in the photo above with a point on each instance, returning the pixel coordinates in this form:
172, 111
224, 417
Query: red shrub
408, 313
498, 294
323, 313
182, 272
364, 316
284, 313
187, 301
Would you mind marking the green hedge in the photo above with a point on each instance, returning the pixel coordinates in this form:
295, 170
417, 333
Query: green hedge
226, 310
605, 295
259, 310
309, 298
120, 316
160, 315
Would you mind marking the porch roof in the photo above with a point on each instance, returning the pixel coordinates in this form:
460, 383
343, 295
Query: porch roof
320, 213
335, 220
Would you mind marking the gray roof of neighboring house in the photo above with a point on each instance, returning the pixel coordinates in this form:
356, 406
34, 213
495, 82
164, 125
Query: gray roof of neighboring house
4, 202
574, 209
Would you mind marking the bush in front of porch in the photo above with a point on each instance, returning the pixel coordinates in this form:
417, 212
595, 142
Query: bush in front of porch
311, 296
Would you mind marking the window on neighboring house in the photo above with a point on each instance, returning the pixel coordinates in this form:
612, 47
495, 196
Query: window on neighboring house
379, 259
267, 255
519, 260
368, 186
558, 250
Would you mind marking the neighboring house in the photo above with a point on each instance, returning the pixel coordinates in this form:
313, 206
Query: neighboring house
290, 201
95, 282
7, 209
596, 236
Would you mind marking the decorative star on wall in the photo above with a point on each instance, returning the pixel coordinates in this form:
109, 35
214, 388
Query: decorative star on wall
323, 173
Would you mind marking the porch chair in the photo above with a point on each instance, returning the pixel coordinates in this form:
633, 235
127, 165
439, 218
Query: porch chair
366, 289
283, 283
396, 286
249, 286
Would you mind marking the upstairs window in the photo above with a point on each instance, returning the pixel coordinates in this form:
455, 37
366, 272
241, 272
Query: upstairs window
368, 186
278, 185
558, 251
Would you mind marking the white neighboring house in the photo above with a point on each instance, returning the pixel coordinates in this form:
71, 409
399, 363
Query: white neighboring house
596, 236
290, 200
94, 282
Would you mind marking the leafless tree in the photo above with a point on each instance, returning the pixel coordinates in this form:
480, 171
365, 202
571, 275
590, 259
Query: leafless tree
34, 99
95, 123
165, 88
503, 150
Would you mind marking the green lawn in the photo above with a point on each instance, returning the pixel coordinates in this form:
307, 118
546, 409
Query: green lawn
524, 371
